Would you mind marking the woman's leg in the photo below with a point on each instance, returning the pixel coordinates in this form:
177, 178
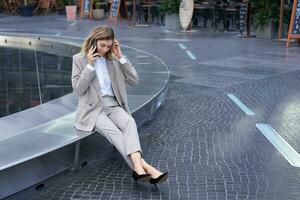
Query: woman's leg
150, 169
112, 133
131, 139
127, 126
120, 130
137, 162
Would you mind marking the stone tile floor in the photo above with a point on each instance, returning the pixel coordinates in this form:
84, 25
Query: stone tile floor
211, 149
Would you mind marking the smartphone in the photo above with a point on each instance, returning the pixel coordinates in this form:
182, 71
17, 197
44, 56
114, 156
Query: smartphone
94, 44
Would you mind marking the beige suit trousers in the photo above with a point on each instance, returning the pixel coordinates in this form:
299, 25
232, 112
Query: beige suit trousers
119, 128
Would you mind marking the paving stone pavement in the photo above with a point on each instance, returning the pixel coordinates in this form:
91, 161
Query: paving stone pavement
211, 149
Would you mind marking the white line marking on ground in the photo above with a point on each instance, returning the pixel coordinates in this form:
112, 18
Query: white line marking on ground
145, 63
189, 53
142, 56
74, 23
182, 46
240, 104
280, 144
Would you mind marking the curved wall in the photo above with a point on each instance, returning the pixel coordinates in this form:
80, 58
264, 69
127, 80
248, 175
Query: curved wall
55, 146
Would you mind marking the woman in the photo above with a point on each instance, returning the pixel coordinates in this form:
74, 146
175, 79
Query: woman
99, 74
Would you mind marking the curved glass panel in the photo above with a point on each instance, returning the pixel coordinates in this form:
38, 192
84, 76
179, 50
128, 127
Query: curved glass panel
29, 78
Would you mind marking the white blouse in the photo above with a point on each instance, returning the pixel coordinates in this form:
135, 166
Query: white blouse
103, 76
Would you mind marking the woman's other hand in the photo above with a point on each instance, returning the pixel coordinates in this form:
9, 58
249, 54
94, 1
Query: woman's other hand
92, 55
116, 49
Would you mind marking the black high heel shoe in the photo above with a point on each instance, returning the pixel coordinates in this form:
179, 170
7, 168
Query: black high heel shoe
141, 177
159, 179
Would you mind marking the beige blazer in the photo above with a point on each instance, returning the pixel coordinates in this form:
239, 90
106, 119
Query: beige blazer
86, 85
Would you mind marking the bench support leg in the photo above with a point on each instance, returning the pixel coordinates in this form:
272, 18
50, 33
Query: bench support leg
76, 156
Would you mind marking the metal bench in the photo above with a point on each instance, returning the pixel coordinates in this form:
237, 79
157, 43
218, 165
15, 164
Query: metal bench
40, 142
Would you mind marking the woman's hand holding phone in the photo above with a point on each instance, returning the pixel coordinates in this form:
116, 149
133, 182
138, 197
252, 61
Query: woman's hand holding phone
92, 54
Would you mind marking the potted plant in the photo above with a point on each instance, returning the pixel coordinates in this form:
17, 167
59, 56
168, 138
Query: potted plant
98, 12
71, 10
171, 10
26, 9
266, 16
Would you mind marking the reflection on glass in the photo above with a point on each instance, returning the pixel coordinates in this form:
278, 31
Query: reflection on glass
29, 78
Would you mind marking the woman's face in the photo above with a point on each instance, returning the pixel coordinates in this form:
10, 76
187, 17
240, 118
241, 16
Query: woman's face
103, 46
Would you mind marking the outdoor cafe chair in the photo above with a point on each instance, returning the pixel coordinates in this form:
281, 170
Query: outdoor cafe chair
43, 7
11, 6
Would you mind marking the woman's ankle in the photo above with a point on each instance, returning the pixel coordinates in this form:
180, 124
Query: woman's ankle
153, 171
139, 170
149, 169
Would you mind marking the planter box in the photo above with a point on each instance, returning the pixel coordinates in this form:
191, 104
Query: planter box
172, 22
268, 31
98, 14
71, 13
26, 11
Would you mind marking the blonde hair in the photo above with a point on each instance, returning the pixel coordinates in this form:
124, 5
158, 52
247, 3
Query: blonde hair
99, 33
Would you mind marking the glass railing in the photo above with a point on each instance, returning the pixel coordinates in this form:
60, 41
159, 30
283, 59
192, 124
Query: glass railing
34, 71
29, 78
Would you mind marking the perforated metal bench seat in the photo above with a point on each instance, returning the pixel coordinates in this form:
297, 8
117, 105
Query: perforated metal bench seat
38, 141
